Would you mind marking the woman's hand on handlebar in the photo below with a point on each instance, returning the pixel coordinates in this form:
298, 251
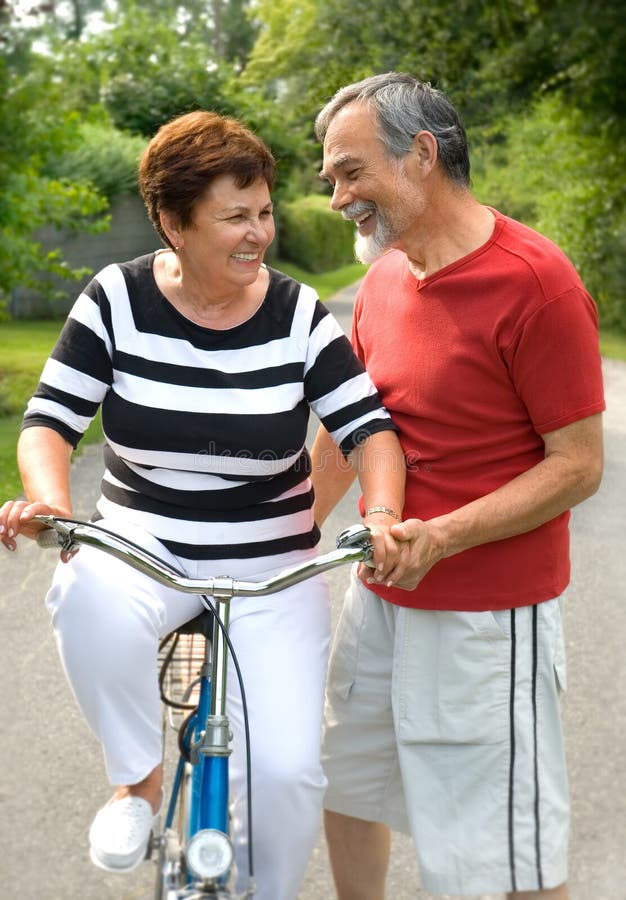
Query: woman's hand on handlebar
16, 517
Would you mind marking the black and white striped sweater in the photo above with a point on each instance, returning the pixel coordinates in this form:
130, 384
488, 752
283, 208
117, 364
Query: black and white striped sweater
205, 429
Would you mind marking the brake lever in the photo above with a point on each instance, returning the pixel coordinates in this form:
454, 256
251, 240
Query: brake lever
56, 533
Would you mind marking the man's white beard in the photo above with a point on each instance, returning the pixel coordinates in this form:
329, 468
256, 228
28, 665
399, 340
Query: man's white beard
367, 248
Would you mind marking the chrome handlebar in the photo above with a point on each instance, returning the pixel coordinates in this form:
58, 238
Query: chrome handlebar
353, 545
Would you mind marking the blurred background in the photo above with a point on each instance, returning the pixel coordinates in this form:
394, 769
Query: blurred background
540, 85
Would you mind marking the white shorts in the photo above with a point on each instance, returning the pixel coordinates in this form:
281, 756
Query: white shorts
446, 725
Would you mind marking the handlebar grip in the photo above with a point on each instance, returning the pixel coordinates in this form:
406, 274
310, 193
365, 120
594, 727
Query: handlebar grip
357, 536
48, 537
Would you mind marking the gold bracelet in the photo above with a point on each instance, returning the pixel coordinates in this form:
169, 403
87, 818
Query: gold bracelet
382, 509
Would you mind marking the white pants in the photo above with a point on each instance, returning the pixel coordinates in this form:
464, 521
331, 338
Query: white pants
108, 620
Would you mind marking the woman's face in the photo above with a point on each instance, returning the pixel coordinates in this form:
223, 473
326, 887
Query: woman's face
232, 228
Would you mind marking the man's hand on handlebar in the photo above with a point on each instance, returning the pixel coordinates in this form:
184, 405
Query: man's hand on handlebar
390, 557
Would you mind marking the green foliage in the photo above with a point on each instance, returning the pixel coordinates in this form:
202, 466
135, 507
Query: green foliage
237, 32
490, 57
540, 84
553, 172
154, 62
573, 46
149, 74
287, 35
313, 236
104, 156
33, 132
61, 154
316, 46
149, 68
613, 344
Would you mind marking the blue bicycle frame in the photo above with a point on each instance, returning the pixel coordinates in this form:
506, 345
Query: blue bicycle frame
209, 782
206, 742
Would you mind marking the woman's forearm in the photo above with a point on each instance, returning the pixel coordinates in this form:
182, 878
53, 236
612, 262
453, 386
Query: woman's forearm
380, 466
44, 462
331, 474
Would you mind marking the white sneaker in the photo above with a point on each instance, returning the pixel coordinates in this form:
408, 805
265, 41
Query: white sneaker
120, 833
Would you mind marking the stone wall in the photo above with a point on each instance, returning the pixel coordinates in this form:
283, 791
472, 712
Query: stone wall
131, 234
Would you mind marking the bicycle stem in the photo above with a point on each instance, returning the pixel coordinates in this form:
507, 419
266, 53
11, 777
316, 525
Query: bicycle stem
218, 664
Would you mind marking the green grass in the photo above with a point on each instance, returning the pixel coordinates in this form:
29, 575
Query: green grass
327, 283
613, 345
24, 348
10, 484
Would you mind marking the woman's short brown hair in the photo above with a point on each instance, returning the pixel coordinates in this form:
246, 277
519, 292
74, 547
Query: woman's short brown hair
186, 154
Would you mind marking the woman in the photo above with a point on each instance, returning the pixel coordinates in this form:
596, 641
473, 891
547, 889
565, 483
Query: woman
205, 363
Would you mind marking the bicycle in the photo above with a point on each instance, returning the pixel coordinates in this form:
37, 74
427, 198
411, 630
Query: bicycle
193, 849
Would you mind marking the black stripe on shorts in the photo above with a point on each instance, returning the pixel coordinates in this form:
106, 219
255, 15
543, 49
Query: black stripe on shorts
535, 756
512, 753
511, 823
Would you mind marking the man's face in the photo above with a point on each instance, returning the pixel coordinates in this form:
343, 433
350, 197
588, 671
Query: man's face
370, 187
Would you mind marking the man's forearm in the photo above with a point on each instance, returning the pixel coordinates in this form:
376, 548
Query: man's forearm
570, 472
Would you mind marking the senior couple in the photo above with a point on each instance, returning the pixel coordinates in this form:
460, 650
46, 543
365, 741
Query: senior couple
473, 373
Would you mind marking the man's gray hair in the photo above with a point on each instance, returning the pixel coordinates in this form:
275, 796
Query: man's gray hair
403, 107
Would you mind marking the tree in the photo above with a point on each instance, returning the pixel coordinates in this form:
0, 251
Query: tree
317, 46
522, 68
489, 56
60, 155
34, 129
143, 72
148, 64
550, 170
508, 67
68, 18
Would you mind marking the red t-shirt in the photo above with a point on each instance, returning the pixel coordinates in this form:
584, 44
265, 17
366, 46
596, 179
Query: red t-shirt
474, 364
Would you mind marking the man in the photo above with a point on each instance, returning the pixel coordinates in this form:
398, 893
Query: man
442, 704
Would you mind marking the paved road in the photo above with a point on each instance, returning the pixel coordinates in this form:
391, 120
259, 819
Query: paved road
50, 766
